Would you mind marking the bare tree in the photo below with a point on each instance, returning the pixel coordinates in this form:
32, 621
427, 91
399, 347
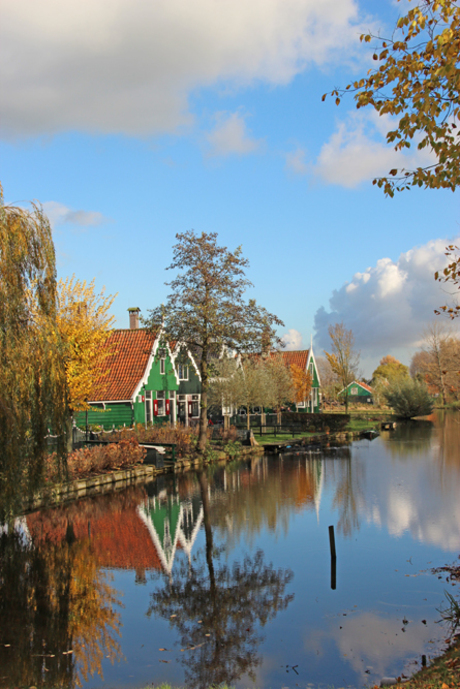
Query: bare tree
343, 359
441, 363
207, 310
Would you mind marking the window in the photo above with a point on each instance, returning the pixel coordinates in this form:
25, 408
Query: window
301, 404
148, 406
161, 396
354, 391
195, 405
162, 366
183, 371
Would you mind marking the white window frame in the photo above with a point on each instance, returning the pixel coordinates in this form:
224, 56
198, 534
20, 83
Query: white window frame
183, 371
148, 407
354, 391
161, 402
162, 366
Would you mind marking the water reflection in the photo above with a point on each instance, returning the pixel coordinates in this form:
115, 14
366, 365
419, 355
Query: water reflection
410, 438
195, 552
57, 607
217, 609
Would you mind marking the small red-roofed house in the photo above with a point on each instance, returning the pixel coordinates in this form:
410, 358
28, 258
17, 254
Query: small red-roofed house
358, 392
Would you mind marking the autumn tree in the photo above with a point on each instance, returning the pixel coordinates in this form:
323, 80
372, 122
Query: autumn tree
33, 382
302, 382
330, 385
235, 384
207, 309
441, 363
343, 359
451, 277
417, 81
84, 324
281, 388
390, 369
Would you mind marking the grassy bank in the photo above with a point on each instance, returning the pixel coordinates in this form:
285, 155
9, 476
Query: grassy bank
443, 673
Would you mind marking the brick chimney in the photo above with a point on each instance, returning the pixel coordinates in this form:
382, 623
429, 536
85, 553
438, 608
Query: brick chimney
134, 318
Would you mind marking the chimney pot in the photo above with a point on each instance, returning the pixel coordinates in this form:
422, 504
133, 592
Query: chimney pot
134, 318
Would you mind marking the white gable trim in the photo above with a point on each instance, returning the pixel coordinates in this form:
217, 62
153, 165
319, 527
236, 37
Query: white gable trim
150, 361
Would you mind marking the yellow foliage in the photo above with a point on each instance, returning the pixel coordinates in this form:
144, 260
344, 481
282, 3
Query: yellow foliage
417, 81
84, 324
302, 381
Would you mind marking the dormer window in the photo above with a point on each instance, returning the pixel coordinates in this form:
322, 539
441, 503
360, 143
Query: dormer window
162, 366
182, 370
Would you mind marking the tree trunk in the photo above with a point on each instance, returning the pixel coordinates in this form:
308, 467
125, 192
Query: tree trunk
203, 428
69, 434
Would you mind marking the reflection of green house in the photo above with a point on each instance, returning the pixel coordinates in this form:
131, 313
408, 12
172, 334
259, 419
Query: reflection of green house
137, 382
357, 392
171, 523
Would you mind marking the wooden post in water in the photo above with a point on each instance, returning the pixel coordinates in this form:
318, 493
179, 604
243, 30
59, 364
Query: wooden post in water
333, 558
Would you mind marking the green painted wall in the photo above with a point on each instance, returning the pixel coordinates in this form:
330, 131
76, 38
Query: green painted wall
116, 414
192, 386
155, 382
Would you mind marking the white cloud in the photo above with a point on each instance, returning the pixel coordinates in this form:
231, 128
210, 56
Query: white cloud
58, 214
230, 136
129, 66
357, 152
295, 162
388, 306
292, 340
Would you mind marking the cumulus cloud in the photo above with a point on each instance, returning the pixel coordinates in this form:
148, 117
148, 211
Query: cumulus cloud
292, 340
230, 136
357, 152
388, 305
295, 162
129, 66
58, 214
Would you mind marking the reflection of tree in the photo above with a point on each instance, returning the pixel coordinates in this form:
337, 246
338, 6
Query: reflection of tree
217, 609
409, 438
53, 599
349, 494
251, 496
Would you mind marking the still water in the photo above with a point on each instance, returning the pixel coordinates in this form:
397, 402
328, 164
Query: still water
226, 575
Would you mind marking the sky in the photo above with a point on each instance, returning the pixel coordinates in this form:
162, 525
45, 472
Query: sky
134, 121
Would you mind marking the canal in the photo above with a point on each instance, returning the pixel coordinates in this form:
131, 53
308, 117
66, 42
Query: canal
226, 575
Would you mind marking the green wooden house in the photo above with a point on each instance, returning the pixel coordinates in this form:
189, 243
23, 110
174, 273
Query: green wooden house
188, 395
137, 382
358, 392
305, 359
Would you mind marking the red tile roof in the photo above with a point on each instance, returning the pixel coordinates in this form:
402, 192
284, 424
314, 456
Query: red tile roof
298, 358
366, 387
122, 370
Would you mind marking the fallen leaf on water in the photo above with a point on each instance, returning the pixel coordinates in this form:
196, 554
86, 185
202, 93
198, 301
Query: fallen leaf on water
66, 653
164, 661
7, 645
172, 616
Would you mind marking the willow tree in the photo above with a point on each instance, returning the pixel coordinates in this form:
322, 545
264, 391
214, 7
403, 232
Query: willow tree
33, 389
207, 309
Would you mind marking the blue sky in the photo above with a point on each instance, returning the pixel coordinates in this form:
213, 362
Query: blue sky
132, 121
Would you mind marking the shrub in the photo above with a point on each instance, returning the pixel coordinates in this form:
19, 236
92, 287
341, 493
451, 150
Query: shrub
409, 398
183, 436
99, 458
